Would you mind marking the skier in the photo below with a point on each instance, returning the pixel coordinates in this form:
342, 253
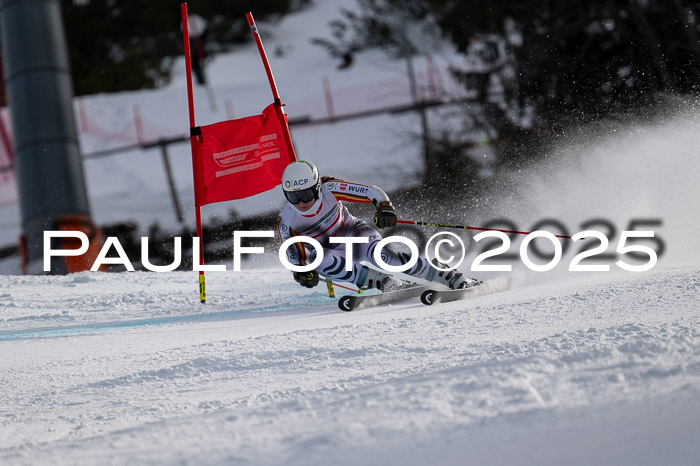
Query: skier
315, 209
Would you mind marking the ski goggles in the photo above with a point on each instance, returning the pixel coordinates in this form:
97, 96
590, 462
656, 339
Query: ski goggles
305, 195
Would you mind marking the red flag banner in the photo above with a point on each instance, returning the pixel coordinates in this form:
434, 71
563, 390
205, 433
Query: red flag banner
241, 158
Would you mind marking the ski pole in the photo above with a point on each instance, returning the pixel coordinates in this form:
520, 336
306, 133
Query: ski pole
358, 291
464, 227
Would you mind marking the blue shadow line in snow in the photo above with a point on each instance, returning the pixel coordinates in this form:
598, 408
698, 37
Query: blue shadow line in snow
53, 332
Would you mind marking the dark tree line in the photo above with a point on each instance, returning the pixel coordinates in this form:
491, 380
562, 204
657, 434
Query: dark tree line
578, 56
586, 56
118, 45
562, 63
590, 56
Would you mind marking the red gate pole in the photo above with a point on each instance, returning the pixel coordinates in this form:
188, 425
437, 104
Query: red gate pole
278, 103
196, 153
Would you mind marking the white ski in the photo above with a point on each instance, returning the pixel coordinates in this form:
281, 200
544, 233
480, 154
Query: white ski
431, 296
355, 302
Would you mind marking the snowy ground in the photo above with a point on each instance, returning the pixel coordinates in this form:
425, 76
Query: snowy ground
123, 368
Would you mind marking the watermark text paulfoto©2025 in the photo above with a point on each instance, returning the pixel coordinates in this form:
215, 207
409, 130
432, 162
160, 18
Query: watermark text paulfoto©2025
434, 249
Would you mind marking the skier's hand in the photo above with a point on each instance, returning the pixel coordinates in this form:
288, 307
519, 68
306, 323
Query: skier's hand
306, 279
386, 215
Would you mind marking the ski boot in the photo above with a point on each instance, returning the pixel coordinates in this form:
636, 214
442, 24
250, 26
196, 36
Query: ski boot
452, 279
369, 278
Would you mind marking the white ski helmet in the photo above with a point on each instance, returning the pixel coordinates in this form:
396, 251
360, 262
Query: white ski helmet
301, 182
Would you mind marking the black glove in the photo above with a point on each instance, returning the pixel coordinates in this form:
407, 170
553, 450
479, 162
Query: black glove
307, 279
386, 215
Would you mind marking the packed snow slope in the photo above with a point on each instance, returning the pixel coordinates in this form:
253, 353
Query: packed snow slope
124, 368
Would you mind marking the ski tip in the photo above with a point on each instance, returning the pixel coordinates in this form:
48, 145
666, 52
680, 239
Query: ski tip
344, 304
427, 297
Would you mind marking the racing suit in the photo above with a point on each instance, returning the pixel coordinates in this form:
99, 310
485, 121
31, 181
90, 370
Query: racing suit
329, 217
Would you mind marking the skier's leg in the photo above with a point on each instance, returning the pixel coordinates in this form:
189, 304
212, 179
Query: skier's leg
453, 279
365, 276
334, 263
421, 269
333, 266
366, 251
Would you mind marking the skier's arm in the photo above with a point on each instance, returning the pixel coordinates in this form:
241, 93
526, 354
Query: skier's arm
296, 254
355, 192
